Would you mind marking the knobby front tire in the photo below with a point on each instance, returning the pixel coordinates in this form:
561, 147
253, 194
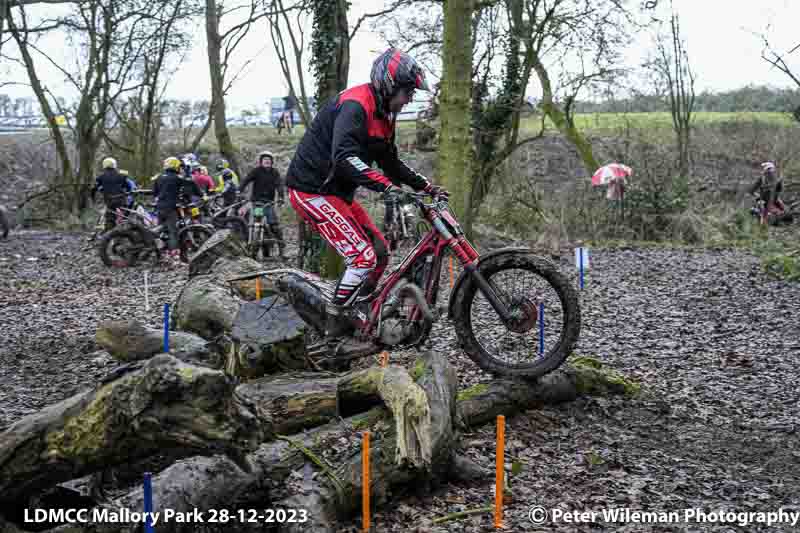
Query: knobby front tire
469, 335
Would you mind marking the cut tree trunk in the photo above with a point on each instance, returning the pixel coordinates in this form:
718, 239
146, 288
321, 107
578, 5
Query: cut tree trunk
130, 340
267, 336
140, 410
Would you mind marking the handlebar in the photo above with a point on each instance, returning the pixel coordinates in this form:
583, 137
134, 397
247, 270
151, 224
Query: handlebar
417, 197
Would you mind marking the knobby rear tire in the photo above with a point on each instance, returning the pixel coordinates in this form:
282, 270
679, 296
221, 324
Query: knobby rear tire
132, 234
468, 337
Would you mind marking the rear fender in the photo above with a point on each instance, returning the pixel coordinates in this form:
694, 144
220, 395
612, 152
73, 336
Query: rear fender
464, 276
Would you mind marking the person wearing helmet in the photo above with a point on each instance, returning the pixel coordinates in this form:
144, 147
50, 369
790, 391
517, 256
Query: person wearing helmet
132, 184
227, 182
167, 190
266, 183
335, 157
768, 187
203, 179
224, 170
114, 188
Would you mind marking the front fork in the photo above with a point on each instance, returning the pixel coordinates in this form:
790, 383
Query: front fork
469, 260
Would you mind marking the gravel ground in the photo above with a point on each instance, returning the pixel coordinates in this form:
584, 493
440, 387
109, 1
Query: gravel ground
713, 342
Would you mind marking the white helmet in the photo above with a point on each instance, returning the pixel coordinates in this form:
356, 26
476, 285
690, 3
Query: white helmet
109, 162
768, 166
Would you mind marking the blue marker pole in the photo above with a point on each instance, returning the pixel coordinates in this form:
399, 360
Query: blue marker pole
166, 328
541, 328
580, 260
148, 502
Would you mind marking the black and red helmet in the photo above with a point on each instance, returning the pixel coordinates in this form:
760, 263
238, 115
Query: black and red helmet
394, 70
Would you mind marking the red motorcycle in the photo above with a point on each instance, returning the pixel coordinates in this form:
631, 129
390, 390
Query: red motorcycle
514, 313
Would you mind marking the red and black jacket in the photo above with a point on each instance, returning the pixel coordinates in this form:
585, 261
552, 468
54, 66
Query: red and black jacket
337, 152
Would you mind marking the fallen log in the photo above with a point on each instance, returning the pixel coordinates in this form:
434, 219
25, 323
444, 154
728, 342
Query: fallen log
320, 469
130, 340
137, 412
482, 403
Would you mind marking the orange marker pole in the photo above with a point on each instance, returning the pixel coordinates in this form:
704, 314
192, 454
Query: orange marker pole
258, 288
500, 471
451, 271
384, 358
365, 480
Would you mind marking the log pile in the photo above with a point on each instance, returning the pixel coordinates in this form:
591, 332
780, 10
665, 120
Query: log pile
255, 429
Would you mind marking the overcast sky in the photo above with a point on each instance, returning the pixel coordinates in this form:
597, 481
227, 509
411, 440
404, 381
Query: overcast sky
719, 33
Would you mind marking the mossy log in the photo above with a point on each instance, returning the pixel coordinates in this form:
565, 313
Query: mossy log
130, 340
140, 410
318, 467
482, 403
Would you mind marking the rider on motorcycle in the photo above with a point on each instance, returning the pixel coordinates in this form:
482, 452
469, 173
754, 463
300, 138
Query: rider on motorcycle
227, 182
351, 131
768, 187
266, 183
114, 187
167, 191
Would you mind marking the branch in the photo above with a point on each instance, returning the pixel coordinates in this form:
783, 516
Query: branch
396, 5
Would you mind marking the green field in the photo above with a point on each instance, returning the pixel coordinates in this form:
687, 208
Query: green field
608, 122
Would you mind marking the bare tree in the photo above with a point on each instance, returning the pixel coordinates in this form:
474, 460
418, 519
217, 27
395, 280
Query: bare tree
292, 67
778, 60
21, 38
139, 115
221, 46
114, 39
677, 79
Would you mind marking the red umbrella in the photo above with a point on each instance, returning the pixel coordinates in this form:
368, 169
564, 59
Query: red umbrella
611, 173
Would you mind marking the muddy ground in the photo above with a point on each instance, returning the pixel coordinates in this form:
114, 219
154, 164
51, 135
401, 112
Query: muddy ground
714, 343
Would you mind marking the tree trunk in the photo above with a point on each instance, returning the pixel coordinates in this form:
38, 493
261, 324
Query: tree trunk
214, 39
61, 146
454, 138
3, 12
330, 49
203, 131
140, 410
559, 118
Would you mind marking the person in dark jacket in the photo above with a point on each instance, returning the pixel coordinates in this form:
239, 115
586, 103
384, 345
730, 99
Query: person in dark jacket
769, 187
335, 157
167, 191
115, 189
267, 184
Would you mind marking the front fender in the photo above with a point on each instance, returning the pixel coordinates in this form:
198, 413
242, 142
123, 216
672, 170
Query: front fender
464, 276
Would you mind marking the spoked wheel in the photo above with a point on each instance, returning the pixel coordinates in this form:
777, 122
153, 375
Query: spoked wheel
192, 238
121, 247
545, 317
